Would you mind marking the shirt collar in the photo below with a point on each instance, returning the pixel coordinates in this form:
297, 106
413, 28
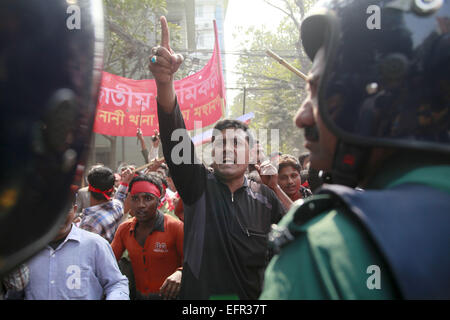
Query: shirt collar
93, 209
158, 226
74, 235
244, 185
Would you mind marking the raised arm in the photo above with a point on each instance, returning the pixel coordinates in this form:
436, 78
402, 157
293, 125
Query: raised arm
144, 150
163, 65
269, 177
154, 149
177, 146
121, 193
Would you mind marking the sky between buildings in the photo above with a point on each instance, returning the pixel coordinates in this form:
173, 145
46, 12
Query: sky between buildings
244, 13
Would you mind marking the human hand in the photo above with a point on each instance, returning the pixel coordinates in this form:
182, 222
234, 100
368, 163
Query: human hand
171, 286
139, 133
127, 175
268, 174
154, 165
164, 62
155, 139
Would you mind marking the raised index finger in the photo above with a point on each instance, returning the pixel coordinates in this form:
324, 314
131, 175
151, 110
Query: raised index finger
165, 36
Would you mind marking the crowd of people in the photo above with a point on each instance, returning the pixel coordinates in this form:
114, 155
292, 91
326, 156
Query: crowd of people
372, 192
139, 219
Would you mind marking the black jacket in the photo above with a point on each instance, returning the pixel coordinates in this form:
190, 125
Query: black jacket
225, 234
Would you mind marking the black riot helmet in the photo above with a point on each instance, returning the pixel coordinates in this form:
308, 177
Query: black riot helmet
387, 76
51, 55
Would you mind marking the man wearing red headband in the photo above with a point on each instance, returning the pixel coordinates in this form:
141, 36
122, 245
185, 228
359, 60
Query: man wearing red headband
154, 242
105, 213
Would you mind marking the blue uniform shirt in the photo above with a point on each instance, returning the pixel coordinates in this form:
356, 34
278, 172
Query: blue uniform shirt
82, 267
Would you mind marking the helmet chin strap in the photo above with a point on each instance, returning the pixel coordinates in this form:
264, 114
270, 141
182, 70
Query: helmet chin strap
348, 163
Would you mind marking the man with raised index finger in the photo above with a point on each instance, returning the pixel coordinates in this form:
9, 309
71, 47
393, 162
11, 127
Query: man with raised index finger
227, 217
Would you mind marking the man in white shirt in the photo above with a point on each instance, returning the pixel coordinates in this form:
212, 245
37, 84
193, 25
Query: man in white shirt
76, 265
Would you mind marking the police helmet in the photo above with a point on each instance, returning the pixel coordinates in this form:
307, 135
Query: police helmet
51, 55
387, 76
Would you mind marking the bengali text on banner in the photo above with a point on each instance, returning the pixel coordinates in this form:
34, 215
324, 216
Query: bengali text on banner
124, 104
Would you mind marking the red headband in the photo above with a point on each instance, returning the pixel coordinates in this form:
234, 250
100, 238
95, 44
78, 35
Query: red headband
103, 192
145, 187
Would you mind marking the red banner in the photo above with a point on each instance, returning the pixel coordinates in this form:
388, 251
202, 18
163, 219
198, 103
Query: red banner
124, 104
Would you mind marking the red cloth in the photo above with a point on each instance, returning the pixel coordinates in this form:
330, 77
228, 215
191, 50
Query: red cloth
145, 187
103, 192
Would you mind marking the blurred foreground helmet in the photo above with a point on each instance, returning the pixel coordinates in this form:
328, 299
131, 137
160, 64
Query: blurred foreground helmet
387, 77
51, 56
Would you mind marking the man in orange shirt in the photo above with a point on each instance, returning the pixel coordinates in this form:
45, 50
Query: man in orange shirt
154, 242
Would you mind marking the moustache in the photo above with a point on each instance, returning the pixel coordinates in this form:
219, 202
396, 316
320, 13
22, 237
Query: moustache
312, 134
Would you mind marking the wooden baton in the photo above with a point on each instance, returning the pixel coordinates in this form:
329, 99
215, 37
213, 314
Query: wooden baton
147, 164
286, 64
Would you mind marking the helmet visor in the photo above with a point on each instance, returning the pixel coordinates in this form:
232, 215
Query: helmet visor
387, 82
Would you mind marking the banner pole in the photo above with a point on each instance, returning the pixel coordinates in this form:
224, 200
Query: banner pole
140, 118
219, 66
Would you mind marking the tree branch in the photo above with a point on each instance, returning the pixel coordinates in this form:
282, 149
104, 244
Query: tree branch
136, 44
276, 7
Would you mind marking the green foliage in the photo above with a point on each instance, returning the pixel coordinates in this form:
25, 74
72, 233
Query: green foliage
132, 29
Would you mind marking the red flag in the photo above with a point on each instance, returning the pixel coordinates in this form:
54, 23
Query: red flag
201, 97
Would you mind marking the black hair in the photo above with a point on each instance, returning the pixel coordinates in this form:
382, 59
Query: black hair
161, 177
151, 177
233, 124
165, 168
287, 160
302, 158
101, 178
314, 180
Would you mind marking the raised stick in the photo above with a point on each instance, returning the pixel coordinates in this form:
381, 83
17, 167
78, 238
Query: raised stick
140, 118
147, 165
286, 64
